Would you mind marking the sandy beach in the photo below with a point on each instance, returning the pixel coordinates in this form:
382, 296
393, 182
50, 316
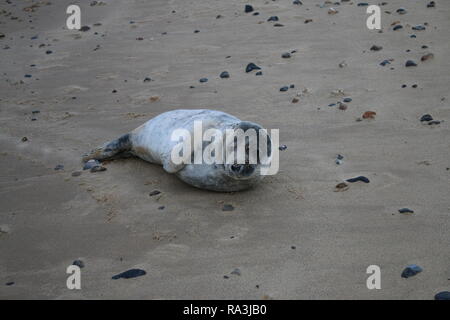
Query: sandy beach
64, 92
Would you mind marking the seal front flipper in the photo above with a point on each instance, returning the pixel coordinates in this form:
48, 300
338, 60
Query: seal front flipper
111, 149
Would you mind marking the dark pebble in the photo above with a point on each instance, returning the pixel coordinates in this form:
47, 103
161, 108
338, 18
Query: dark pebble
292, 86
227, 207
224, 75
132, 273
85, 28
154, 193
202, 80
147, 79
401, 11
433, 122
432, 4
397, 27
414, 86
286, 55
9, 283
363, 4
376, 48
282, 147
248, 8
236, 272
410, 63
24, 139
405, 210
418, 28
278, 25
444, 295
403, 85
297, 2
78, 263
347, 100
426, 117
256, 13
226, 277
28, 76
196, 31
114, 91
285, 88
161, 208
98, 169
59, 167
48, 51
360, 178
251, 66
411, 271
259, 73
273, 18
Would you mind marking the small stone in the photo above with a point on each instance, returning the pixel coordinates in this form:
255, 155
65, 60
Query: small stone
161, 208
259, 73
397, 27
343, 64
411, 271
332, 11
284, 89
410, 63
376, 48
76, 173
369, 115
418, 28
278, 25
282, 147
297, 2
401, 11
196, 31
154, 193
347, 100
78, 263
48, 51
90, 164
286, 55
427, 57
24, 139
227, 207
251, 66
342, 106
431, 4
433, 122
85, 28
273, 18
147, 79
224, 75
295, 100
59, 167
203, 80
341, 187
363, 4
236, 272
426, 117
444, 295
97, 169
226, 277
359, 178
405, 211
248, 8
308, 21
132, 273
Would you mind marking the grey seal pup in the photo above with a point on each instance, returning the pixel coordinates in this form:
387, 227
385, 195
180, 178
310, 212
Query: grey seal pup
153, 142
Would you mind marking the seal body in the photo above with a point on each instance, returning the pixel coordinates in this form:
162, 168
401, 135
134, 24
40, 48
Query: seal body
153, 142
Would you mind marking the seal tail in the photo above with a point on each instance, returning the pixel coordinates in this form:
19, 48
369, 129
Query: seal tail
110, 150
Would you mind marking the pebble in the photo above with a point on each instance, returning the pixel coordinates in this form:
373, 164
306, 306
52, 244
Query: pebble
278, 25
203, 80
9, 283
432, 4
411, 271
444, 295
90, 164
154, 193
295, 100
401, 10
286, 55
248, 8
76, 173
59, 167
369, 115
418, 28
426, 117
49, 52
397, 27
342, 106
297, 2
360, 178
332, 11
85, 28
227, 207
236, 272
24, 139
427, 57
282, 147
376, 48
132, 273
347, 100
97, 169
251, 66
410, 63
384, 63
259, 73
341, 187
147, 79
224, 75
273, 18
405, 210
284, 89
308, 20
433, 122
78, 263
161, 208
